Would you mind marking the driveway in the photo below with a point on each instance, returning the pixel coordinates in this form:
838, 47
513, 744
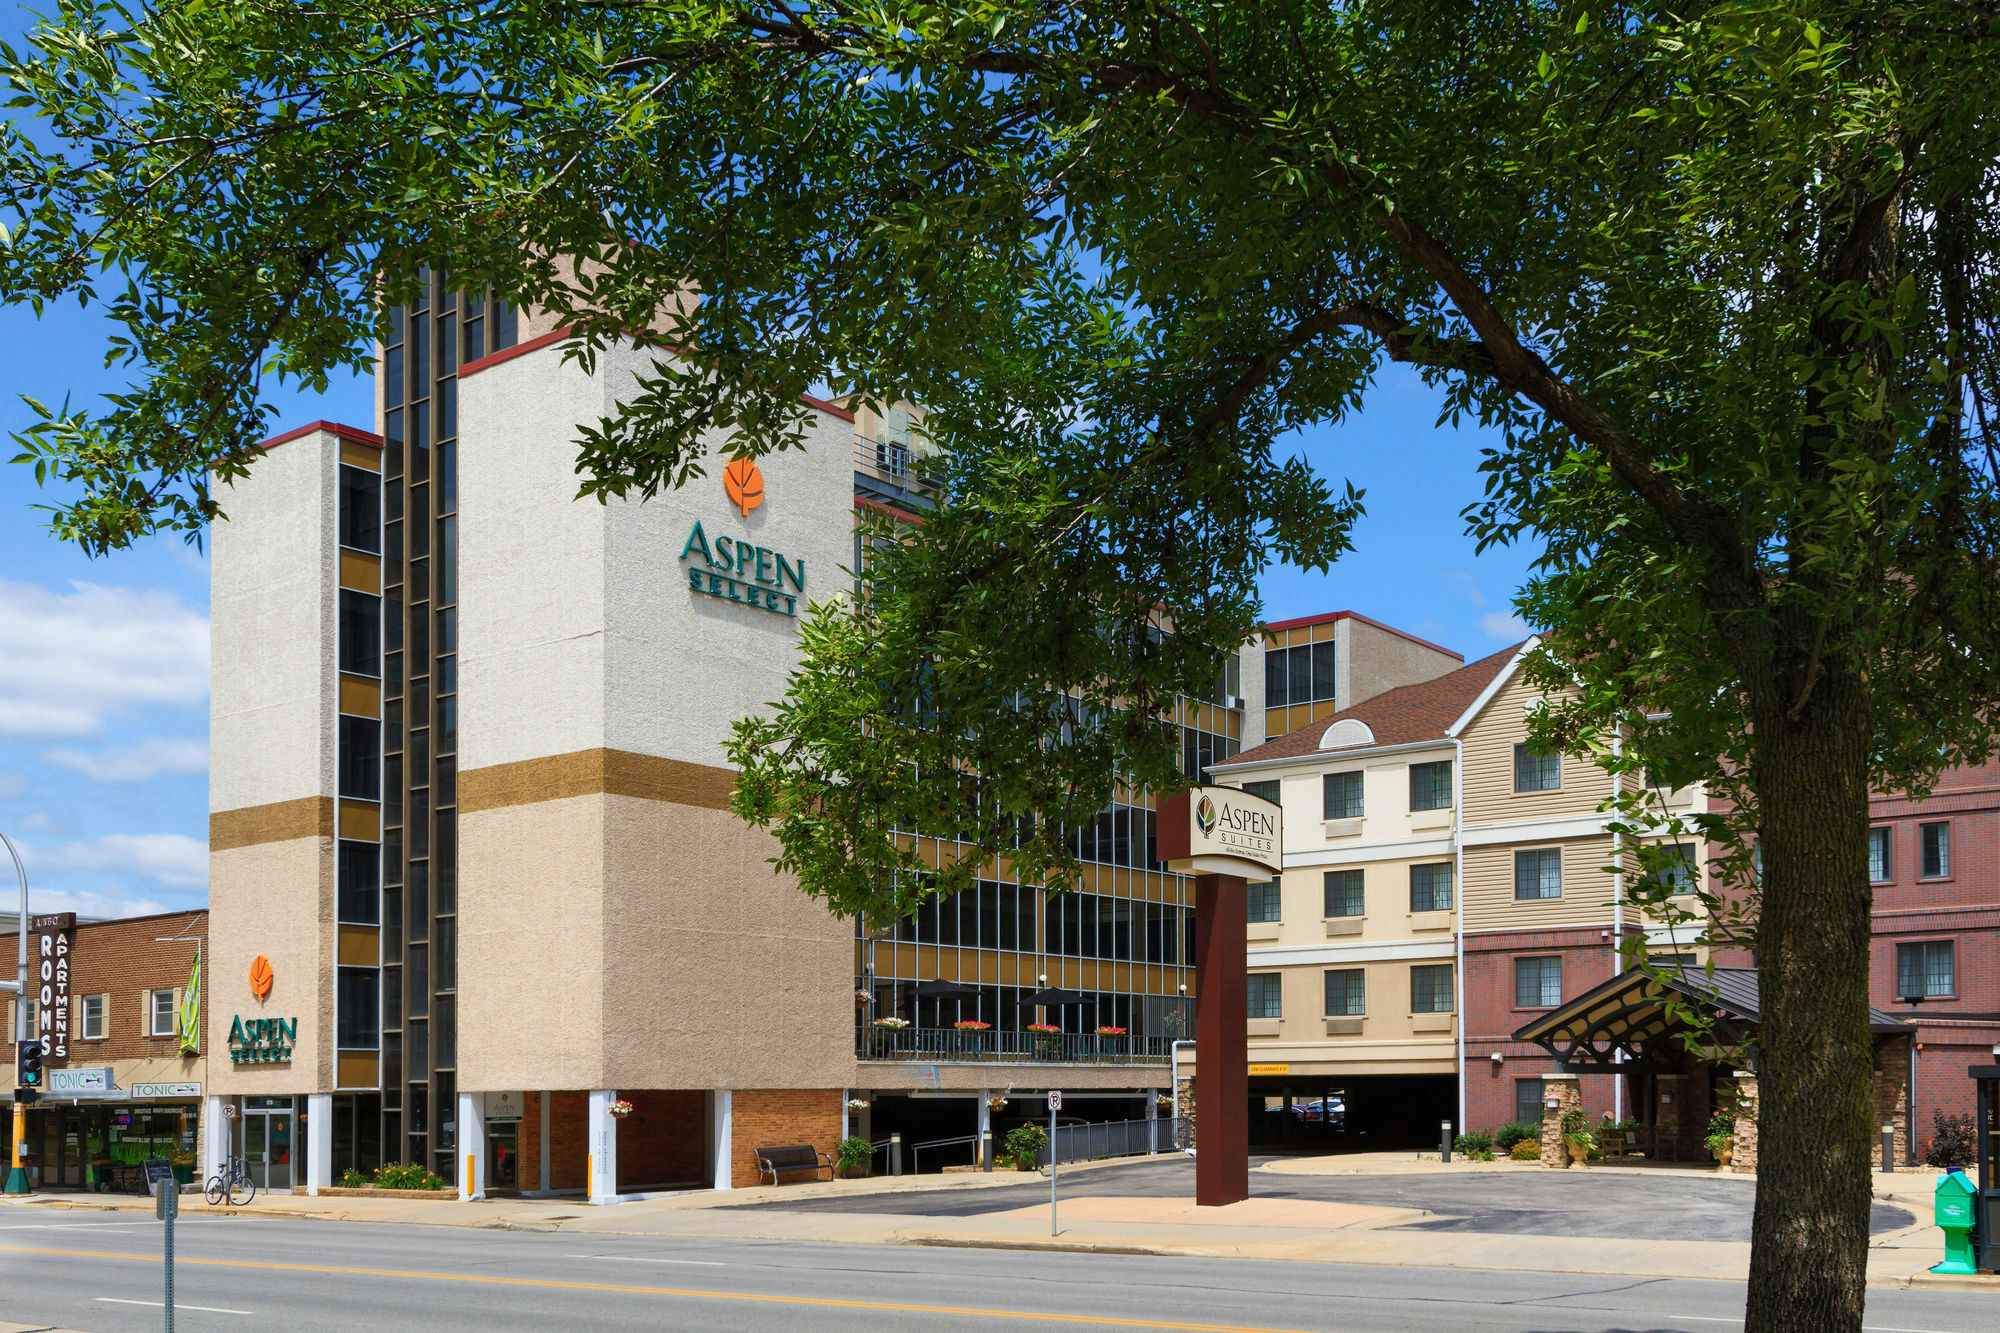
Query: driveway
1603, 1204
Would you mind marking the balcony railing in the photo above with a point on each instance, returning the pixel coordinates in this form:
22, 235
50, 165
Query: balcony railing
963, 1046
892, 459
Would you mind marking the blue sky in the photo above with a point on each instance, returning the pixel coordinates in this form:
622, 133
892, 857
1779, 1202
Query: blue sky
104, 668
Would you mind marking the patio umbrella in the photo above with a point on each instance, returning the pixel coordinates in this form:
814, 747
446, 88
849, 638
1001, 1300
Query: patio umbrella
1052, 998
946, 990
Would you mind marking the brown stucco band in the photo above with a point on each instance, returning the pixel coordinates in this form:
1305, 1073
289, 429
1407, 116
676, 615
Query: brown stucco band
281, 821
592, 773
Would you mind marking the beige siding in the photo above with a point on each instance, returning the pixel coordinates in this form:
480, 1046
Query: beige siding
1388, 1043
1586, 888
1490, 797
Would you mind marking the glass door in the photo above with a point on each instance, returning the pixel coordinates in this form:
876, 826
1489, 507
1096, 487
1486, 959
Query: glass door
278, 1142
256, 1147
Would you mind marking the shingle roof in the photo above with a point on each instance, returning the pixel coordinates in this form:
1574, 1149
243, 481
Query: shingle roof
1400, 716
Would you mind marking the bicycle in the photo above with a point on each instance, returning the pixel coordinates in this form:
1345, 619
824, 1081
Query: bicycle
230, 1182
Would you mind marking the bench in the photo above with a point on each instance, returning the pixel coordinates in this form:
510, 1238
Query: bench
798, 1157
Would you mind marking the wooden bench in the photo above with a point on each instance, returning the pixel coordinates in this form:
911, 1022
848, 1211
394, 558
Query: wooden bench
797, 1157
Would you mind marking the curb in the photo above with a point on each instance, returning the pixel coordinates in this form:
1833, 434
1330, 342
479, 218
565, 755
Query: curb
1986, 1282
1056, 1246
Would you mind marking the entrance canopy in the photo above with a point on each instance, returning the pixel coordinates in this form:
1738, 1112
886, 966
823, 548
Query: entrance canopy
1641, 1023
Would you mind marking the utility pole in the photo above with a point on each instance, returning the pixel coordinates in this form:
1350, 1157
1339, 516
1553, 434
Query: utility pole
17, 1172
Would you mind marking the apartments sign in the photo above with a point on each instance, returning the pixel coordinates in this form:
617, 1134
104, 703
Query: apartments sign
53, 945
1221, 831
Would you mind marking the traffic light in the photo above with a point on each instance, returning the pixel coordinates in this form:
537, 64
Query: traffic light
28, 1065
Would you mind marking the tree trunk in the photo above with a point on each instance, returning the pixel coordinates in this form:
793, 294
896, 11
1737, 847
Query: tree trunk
1809, 1238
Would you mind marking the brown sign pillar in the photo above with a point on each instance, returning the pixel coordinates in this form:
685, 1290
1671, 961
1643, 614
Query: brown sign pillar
1222, 1047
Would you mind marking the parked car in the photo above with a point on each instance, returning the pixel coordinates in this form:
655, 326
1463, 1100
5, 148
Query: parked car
1330, 1111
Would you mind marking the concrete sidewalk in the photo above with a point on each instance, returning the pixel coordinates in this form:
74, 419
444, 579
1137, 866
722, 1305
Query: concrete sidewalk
1260, 1228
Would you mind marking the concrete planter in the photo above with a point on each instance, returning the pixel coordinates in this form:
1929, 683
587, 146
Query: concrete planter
1579, 1151
370, 1192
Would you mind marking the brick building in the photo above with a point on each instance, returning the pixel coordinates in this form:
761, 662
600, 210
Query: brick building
125, 1072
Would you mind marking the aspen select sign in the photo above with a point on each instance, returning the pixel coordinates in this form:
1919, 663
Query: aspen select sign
1221, 831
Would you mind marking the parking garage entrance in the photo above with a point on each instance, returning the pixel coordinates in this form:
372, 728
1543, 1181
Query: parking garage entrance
1357, 1113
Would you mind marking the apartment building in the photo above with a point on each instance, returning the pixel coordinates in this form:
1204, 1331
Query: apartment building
469, 806
120, 1014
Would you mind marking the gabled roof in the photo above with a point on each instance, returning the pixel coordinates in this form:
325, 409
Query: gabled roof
1402, 716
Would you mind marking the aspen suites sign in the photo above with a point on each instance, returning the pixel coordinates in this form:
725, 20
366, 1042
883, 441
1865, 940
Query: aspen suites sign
736, 570
1221, 831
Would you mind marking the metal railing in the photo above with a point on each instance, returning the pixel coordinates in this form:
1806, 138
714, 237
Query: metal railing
894, 460
963, 1046
1116, 1138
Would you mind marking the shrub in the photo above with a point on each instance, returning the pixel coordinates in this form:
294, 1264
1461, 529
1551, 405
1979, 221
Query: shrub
1473, 1144
398, 1176
854, 1154
1511, 1133
1526, 1150
1024, 1144
350, 1179
1952, 1144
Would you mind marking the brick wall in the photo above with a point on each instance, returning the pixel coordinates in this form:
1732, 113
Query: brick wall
569, 1141
124, 960
1491, 1016
778, 1117
664, 1141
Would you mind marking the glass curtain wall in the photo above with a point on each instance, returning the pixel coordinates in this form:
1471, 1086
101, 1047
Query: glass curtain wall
430, 339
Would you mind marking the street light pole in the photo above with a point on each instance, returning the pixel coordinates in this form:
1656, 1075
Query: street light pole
17, 1173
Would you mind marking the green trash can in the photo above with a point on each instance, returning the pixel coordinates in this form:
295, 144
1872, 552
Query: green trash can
1952, 1206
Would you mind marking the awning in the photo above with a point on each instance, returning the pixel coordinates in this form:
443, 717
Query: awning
1052, 998
946, 990
1642, 1022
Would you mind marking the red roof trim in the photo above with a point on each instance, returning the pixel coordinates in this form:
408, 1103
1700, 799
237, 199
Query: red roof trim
1328, 618
353, 433
831, 409
477, 364
863, 502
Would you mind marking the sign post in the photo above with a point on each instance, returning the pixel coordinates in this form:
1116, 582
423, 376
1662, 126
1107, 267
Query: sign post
1055, 1104
166, 1207
1223, 837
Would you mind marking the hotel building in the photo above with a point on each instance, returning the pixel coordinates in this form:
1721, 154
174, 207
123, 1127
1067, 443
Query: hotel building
477, 899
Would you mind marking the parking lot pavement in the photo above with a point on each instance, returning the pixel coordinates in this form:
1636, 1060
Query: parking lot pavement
1608, 1205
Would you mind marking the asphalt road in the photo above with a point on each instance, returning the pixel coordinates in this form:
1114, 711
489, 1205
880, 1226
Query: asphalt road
1612, 1206
245, 1274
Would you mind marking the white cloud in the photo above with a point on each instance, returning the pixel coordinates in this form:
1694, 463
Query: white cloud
1505, 626
136, 763
69, 661
170, 859
13, 786
97, 906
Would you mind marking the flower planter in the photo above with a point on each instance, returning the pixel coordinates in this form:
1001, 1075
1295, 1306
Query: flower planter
1579, 1151
1724, 1154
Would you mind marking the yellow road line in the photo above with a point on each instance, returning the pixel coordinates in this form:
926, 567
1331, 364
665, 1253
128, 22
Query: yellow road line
1101, 1321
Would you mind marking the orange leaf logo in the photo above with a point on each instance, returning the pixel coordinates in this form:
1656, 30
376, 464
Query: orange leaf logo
743, 483
261, 977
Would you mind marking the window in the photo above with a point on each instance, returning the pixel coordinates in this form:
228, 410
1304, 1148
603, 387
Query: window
1300, 675
1430, 786
162, 1014
1538, 983
359, 883
1264, 900
1229, 682
1430, 887
1880, 865
360, 509
1343, 795
1936, 840
360, 633
1430, 989
1528, 1101
94, 1007
1266, 790
1925, 970
1345, 894
359, 1006
1266, 995
1538, 873
361, 758
1537, 770
1678, 869
1346, 993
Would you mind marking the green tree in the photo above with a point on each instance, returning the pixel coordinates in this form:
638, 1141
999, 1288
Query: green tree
1720, 278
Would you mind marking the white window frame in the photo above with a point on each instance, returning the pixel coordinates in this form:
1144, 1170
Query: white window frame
1881, 833
84, 1026
153, 1028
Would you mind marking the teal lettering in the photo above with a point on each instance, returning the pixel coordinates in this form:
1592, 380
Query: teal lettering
291, 1028
763, 565
697, 541
236, 1030
694, 578
725, 554
785, 571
